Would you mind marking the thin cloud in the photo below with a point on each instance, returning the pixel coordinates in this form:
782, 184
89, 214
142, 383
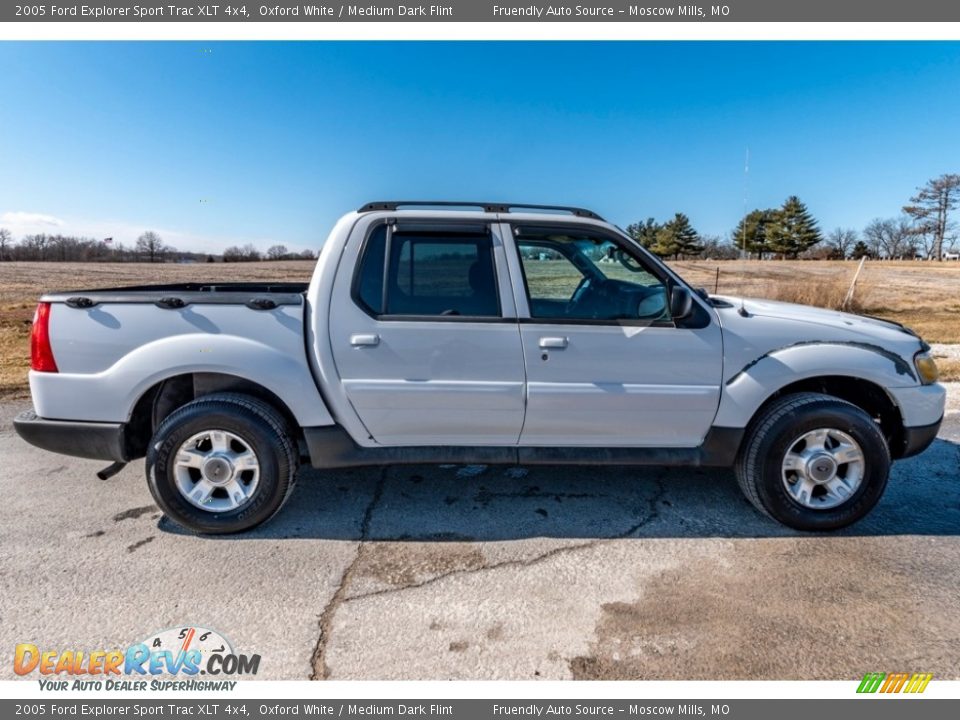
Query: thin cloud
17, 220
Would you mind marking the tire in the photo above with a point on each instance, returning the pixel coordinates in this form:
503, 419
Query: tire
199, 466
786, 475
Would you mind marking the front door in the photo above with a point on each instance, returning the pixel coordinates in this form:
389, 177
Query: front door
606, 364
425, 336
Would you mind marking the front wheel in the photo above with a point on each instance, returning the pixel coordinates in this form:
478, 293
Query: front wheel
223, 463
813, 462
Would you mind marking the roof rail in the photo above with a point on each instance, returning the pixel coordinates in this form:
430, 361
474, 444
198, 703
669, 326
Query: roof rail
391, 205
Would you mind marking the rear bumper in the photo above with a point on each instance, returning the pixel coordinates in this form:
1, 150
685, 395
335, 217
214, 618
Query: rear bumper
93, 440
918, 439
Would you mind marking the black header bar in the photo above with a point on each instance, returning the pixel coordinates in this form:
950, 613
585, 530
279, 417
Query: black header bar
892, 11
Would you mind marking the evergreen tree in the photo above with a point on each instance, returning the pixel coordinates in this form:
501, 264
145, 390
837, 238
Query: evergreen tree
750, 235
793, 229
860, 250
677, 238
666, 244
688, 239
644, 232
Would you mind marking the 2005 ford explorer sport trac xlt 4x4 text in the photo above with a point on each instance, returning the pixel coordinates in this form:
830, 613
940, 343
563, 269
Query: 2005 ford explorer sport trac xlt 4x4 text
475, 333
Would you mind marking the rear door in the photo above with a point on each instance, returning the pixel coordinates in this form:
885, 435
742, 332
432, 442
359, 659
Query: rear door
425, 335
606, 364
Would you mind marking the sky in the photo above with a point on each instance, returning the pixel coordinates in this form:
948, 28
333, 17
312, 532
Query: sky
217, 144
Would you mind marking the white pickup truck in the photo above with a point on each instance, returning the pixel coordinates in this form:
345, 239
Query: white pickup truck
475, 333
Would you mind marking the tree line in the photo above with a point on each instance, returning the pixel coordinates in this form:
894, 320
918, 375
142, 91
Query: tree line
249, 253
149, 247
924, 228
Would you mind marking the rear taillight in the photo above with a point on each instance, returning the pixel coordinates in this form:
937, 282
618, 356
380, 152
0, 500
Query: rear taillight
41, 354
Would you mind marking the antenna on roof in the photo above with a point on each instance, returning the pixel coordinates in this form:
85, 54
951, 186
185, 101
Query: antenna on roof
743, 233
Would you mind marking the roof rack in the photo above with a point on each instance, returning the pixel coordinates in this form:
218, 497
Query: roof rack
391, 205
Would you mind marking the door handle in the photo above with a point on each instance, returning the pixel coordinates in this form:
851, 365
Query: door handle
362, 340
556, 343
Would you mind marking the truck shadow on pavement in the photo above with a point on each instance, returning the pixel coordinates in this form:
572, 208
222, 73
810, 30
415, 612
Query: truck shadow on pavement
489, 503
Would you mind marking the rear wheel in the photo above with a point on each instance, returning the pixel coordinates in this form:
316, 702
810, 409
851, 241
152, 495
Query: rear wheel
223, 463
813, 462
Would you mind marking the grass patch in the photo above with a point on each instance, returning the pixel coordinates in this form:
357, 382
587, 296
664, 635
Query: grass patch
830, 294
14, 351
949, 369
936, 326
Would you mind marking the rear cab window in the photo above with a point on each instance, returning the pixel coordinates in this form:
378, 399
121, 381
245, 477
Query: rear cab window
443, 273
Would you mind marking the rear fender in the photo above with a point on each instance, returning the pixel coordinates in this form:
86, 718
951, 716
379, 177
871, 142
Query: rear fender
111, 395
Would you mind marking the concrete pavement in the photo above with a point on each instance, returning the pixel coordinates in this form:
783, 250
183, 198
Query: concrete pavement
484, 572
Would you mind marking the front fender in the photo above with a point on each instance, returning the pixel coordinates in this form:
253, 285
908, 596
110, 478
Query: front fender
747, 389
110, 395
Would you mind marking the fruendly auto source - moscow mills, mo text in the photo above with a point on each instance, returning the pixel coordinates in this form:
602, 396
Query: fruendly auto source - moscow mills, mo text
319, 11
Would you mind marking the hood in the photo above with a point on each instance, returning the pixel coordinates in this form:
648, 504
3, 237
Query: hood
865, 327
769, 326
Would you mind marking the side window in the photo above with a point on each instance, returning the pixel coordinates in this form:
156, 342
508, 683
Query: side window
428, 274
577, 276
369, 281
550, 275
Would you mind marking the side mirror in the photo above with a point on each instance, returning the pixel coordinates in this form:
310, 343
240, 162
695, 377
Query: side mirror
681, 302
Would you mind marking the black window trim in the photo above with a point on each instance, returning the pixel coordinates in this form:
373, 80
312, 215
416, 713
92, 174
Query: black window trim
698, 321
425, 225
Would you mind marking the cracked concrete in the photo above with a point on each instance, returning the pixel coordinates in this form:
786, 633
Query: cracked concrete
318, 661
487, 572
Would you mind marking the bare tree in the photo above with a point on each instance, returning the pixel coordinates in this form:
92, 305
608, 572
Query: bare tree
151, 245
873, 237
931, 207
842, 240
923, 238
951, 242
907, 238
247, 253
821, 251
716, 248
891, 238
63, 247
34, 247
6, 239
277, 252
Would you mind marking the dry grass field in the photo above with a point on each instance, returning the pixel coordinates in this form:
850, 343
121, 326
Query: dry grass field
925, 296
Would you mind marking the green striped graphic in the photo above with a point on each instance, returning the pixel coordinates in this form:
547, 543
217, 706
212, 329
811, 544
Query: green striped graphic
871, 682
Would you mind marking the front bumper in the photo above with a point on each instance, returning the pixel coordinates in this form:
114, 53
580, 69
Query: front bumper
93, 440
918, 439
920, 405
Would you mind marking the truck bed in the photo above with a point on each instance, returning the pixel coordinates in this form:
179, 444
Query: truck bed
112, 344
